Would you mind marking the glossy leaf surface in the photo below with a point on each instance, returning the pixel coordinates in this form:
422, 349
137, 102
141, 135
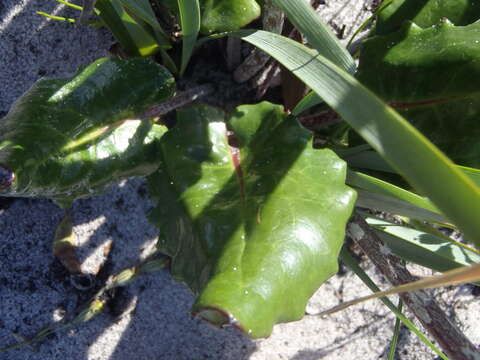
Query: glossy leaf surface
226, 15
219, 15
65, 138
253, 229
426, 13
433, 80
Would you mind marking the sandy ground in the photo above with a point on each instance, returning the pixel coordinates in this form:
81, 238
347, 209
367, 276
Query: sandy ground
35, 290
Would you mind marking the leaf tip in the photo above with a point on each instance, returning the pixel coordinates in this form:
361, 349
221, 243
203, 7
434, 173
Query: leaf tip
219, 318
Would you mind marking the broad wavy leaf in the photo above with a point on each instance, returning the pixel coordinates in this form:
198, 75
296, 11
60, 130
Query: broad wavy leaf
433, 81
426, 13
254, 220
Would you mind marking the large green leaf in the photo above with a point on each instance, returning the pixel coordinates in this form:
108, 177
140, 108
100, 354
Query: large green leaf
218, 15
254, 228
433, 80
426, 13
65, 138
226, 15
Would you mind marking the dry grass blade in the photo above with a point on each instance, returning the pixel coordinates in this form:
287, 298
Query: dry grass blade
461, 275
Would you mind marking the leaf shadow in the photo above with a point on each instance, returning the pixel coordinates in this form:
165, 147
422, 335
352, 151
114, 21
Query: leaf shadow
340, 343
34, 288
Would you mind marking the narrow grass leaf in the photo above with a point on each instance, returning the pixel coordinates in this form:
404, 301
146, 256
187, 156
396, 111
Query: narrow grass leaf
305, 19
133, 37
472, 173
373, 184
369, 160
389, 204
168, 62
59, 18
143, 10
190, 23
439, 253
364, 158
73, 6
310, 100
396, 334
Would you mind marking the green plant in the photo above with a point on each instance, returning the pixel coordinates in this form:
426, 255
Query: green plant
247, 210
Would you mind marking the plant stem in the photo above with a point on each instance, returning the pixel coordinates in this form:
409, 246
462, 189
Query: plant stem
179, 100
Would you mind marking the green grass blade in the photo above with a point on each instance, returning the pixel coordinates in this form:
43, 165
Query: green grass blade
143, 10
396, 334
168, 62
309, 101
364, 158
353, 265
305, 19
302, 15
59, 18
133, 37
73, 6
408, 151
472, 173
368, 159
190, 23
386, 203
438, 253
372, 184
